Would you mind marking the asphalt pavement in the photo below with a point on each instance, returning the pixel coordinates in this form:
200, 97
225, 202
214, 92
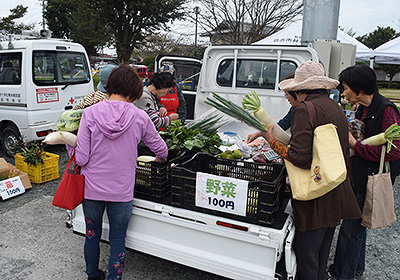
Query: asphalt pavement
36, 244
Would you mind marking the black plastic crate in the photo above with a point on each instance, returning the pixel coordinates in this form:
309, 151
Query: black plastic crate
265, 188
153, 180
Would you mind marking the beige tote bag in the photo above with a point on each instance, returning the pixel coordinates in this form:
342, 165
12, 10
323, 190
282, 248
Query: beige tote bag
328, 168
378, 211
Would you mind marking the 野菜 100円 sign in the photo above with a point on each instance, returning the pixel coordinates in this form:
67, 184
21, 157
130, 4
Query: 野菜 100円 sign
223, 194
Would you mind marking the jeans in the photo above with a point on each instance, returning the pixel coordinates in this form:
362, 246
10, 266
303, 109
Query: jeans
119, 214
350, 248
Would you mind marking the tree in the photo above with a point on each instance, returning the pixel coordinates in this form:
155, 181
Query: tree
162, 43
246, 21
8, 23
78, 21
123, 24
132, 21
378, 37
390, 70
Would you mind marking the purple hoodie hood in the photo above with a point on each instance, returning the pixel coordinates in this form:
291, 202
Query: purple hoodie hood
115, 117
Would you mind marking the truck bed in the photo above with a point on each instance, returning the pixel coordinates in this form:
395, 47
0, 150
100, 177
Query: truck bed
218, 245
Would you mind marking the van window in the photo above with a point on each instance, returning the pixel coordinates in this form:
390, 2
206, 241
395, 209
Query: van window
10, 68
59, 68
253, 73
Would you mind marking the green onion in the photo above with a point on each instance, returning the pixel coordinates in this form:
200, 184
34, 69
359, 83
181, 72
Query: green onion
235, 111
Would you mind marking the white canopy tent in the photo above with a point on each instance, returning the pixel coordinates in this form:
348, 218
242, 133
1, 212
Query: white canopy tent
388, 53
291, 35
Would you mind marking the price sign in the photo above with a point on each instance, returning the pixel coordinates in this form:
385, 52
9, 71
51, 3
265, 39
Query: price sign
11, 187
223, 194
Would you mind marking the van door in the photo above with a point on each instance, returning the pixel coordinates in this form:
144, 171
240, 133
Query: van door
187, 71
233, 71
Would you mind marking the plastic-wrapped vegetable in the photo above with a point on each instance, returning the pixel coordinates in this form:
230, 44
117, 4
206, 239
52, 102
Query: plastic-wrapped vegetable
69, 121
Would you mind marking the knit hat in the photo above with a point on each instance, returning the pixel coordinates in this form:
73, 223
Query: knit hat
309, 75
103, 74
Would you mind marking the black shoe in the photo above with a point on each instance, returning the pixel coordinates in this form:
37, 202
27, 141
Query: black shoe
102, 276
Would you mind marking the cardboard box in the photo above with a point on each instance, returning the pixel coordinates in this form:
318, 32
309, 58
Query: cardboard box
7, 170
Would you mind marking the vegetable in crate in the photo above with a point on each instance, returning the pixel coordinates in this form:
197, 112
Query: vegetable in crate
193, 138
69, 121
251, 102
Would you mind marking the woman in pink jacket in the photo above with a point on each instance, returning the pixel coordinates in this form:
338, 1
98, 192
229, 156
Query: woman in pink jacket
107, 140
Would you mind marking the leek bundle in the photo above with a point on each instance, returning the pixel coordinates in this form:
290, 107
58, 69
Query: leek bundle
235, 111
251, 102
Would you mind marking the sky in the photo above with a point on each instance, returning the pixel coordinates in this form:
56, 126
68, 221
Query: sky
363, 16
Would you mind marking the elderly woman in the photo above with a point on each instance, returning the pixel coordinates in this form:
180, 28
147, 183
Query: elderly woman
160, 84
316, 219
378, 113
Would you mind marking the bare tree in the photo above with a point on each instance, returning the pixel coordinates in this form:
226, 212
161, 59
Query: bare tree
245, 21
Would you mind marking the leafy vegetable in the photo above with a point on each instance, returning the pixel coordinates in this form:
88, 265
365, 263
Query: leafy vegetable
193, 138
69, 121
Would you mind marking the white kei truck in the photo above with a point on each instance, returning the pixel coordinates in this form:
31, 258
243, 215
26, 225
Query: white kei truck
212, 240
40, 78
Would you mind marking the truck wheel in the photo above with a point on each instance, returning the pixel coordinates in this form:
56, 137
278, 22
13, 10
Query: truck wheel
9, 136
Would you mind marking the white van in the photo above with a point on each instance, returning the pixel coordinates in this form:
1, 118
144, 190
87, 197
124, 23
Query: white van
40, 78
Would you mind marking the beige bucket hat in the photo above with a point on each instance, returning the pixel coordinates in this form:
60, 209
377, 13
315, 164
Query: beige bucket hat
309, 75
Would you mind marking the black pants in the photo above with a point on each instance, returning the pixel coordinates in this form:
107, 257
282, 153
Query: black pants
312, 252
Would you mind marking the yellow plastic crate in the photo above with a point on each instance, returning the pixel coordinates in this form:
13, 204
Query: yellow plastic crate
42, 172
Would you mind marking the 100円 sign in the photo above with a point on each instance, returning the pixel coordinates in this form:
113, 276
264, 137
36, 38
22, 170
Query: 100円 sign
11, 187
223, 194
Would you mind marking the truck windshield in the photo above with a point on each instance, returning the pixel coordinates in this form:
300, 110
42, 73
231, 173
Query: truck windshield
10, 68
253, 73
59, 68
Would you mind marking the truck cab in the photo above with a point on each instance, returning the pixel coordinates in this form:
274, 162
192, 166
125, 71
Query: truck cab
40, 78
233, 71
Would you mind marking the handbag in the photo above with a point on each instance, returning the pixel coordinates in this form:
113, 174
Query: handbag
328, 168
378, 208
69, 193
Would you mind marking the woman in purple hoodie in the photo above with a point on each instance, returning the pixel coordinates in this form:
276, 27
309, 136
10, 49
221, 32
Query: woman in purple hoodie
107, 140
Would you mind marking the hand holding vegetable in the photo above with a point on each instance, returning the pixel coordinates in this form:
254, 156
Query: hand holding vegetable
390, 134
251, 102
61, 137
352, 141
269, 136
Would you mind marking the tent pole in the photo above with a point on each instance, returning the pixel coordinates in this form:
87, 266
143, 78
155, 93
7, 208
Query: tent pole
371, 62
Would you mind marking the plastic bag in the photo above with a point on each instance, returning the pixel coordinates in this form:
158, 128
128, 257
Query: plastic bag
69, 121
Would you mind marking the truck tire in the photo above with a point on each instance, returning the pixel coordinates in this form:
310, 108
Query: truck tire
9, 136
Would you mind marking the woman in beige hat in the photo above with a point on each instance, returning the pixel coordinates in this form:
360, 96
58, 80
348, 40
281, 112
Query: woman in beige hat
316, 219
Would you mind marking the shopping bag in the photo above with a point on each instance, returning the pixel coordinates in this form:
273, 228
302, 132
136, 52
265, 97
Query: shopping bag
328, 168
69, 193
378, 208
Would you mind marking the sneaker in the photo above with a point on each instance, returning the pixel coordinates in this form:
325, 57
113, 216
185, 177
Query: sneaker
360, 276
102, 276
